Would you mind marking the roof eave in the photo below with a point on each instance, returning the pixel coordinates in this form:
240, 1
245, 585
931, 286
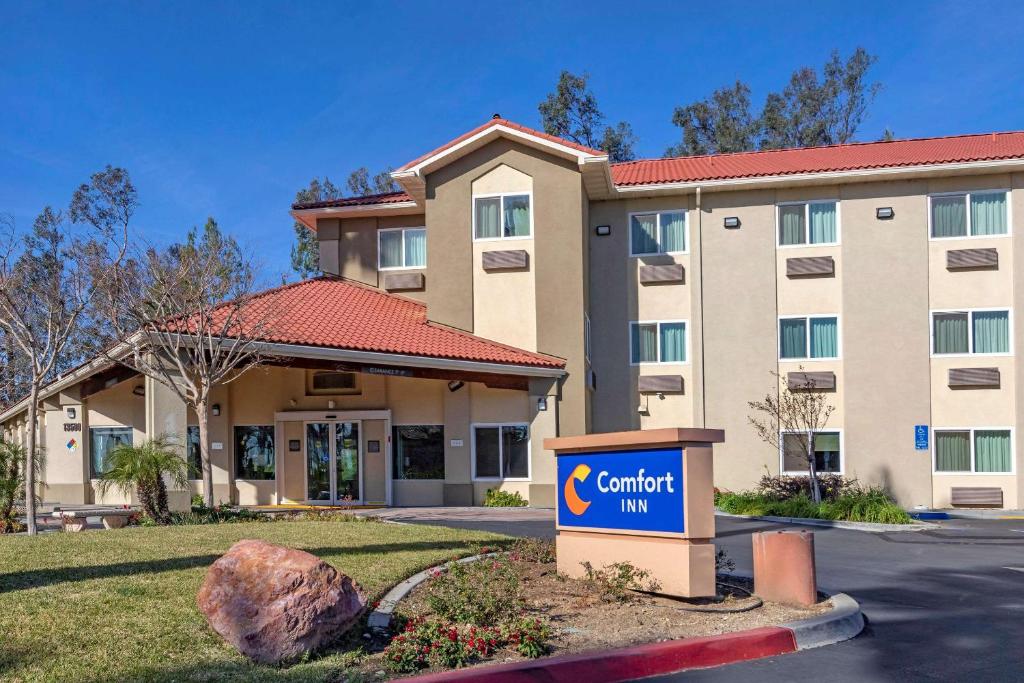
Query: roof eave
309, 217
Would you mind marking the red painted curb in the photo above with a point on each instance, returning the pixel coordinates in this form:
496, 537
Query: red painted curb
630, 663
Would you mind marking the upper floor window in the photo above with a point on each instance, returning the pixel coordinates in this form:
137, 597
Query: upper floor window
657, 342
657, 233
401, 248
808, 223
808, 337
973, 450
969, 214
502, 216
970, 332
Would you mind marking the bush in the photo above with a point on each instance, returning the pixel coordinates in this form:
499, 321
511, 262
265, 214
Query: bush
616, 582
496, 498
438, 643
483, 593
218, 514
785, 487
854, 505
540, 550
528, 636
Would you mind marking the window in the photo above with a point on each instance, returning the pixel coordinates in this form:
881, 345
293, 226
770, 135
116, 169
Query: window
254, 452
973, 450
401, 248
657, 342
418, 452
331, 383
501, 451
808, 223
103, 440
808, 337
501, 216
827, 452
969, 214
970, 332
195, 463
657, 233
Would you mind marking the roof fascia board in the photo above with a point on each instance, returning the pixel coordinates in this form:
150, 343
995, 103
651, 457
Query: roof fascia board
308, 217
806, 178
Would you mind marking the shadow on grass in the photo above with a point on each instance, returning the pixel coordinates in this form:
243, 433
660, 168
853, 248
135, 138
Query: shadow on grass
38, 578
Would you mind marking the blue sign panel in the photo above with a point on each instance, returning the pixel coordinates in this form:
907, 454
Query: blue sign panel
920, 437
627, 490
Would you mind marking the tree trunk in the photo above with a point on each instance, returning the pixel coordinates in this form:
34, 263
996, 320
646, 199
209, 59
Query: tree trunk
203, 416
148, 501
813, 470
160, 502
30, 461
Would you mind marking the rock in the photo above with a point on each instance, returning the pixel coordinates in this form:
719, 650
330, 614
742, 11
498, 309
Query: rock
275, 603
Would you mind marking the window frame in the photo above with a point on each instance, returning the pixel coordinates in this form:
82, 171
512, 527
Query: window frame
501, 451
199, 456
93, 474
500, 195
403, 230
966, 194
394, 448
807, 337
807, 224
234, 450
657, 337
974, 466
312, 391
970, 332
657, 213
825, 430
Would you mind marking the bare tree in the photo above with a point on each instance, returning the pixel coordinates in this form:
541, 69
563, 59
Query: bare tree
796, 414
48, 280
186, 317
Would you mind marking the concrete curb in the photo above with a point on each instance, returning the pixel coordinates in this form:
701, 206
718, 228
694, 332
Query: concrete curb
844, 622
870, 527
380, 617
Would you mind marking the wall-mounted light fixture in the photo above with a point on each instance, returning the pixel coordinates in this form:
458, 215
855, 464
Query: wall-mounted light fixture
731, 222
603, 230
140, 390
72, 413
215, 410
330, 405
455, 385
542, 403
292, 403
884, 213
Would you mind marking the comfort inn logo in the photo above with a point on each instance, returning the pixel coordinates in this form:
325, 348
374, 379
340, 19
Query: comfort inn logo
576, 505
637, 485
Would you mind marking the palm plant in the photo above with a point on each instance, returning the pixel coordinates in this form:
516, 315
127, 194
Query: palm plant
143, 468
12, 482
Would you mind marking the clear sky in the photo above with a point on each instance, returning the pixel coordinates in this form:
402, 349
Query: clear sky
226, 109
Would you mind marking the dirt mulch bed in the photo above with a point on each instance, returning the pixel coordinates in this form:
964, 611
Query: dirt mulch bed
582, 618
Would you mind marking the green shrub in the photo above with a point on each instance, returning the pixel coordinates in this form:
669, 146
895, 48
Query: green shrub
496, 498
529, 637
540, 550
482, 593
854, 505
424, 642
784, 487
616, 582
219, 514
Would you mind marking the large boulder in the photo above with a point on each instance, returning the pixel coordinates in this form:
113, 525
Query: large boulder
275, 603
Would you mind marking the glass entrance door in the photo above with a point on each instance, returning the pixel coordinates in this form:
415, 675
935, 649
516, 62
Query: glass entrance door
333, 459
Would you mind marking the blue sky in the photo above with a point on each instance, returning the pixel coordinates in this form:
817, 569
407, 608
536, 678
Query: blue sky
226, 109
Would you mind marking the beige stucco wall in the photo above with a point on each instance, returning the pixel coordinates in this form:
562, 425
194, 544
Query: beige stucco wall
115, 407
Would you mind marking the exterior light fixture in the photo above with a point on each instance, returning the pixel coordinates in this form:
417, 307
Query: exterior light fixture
603, 230
455, 385
330, 404
215, 409
71, 413
731, 222
542, 403
139, 390
884, 213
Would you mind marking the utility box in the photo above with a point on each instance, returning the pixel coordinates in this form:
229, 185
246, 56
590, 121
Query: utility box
784, 569
644, 497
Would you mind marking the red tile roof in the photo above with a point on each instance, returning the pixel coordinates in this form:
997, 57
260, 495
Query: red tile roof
856, 156
367, 200
339, 314
507, 124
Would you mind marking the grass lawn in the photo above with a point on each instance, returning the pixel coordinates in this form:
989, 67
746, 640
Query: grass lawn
120, 605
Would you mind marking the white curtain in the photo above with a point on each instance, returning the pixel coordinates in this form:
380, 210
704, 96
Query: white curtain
517, 216
988, 213
390, 248
415, 248
673, 232
823, 223
488, 218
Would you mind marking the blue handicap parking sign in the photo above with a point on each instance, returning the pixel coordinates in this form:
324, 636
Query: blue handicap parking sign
920, 437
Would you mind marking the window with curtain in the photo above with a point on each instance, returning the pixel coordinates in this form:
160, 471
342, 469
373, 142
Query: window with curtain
254, 452
195, 463
103, 440
418, 452
657, 233
808, 223
501, 451
810, 337
827, 452
970, 332
502, 216
973, 450
658, 342
969, 214
402, 248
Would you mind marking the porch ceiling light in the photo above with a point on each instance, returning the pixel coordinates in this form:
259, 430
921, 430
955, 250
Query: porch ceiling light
455, 385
